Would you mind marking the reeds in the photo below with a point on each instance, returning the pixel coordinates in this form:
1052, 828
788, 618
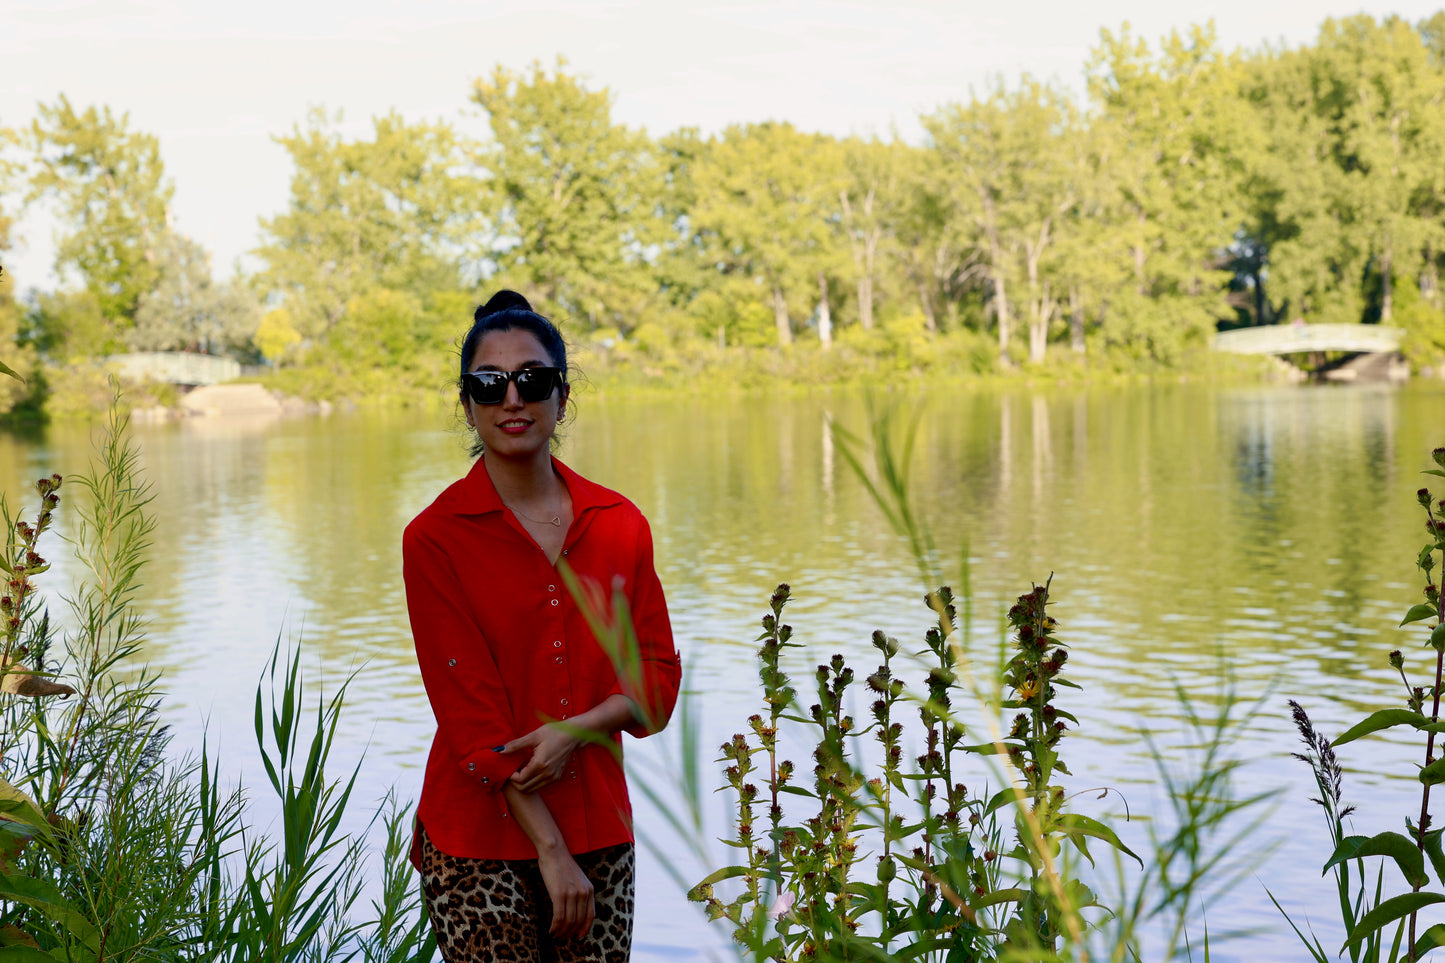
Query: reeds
881, 856
113, 849
1367, 914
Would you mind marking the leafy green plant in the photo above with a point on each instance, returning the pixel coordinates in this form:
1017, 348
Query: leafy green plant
880, 858
936, 885
1365, 911
109, 848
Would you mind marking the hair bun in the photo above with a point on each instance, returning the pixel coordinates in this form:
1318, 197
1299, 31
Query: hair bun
503, 300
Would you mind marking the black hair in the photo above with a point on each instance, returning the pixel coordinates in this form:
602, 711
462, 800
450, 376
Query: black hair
506, 311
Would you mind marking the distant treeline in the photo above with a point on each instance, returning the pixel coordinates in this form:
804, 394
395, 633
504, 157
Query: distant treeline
1191, 187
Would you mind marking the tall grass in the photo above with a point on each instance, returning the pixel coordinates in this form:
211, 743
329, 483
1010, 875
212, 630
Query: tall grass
971, 848
1382, 928
113, 847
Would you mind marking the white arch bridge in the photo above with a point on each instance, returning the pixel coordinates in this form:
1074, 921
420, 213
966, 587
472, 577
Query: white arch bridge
1299, 338
175, 367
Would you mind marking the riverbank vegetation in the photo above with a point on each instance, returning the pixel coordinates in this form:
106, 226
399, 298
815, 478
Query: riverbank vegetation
1380, 928
1189, 187
114, 848
892, 849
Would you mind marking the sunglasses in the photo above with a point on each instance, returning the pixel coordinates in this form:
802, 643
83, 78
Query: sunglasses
533, 384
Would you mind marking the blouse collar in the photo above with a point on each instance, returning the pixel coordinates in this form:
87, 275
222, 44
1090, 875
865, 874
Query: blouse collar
476, 495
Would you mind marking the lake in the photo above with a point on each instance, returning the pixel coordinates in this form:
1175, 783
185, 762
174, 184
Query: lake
1266, 531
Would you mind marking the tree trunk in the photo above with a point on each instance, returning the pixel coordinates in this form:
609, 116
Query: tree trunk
1040, 314
825, 316
930, 319
1000, 308
864, 242
1076, 320
1038, 339
780, 317
1387, 288
865, 283
1429, 278
865, 302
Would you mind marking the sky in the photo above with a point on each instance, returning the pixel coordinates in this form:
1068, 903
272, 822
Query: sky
217, 81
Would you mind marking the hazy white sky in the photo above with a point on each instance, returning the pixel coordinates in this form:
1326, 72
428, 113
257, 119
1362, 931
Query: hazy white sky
216, 80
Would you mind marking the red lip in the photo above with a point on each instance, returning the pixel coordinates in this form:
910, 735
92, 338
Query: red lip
514, 428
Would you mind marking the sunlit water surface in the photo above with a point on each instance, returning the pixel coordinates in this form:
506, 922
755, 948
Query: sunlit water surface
1263, 532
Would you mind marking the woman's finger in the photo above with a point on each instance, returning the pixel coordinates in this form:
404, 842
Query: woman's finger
589, 913
563, 910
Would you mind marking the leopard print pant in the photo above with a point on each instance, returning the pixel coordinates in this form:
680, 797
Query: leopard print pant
498, 910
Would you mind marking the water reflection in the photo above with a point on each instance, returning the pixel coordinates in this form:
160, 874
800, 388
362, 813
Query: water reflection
1268, 528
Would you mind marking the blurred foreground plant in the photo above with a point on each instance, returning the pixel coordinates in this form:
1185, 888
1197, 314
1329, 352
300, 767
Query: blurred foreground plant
109, 849
1366, 916
885, 859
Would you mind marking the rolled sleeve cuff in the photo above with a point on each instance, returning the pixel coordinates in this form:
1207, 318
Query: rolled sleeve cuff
490, 769
662, 680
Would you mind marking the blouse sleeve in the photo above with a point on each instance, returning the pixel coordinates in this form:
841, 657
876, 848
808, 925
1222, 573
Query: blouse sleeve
467, 696
654, 687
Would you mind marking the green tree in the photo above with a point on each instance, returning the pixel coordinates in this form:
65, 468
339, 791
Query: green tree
573, 192
15, 359
1170, 126
189, 310
1358, 126
1012, 159
870, 201
769, 194
112, 196
398, 212
931, 256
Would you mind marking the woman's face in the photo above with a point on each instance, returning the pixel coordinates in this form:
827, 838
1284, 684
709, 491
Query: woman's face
514, 428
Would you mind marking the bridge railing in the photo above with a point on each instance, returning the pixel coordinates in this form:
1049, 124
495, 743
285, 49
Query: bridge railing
1295, 338
175, 367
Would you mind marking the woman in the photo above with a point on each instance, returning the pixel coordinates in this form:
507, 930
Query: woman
524, 831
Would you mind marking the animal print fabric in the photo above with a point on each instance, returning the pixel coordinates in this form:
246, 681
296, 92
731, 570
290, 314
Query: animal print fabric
498, 910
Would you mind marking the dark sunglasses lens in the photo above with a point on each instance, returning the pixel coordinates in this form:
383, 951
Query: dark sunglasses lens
487, 387
535, 384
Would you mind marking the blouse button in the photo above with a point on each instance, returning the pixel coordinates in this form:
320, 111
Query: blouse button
564, 551
471, 765
559, 660
554, 601
451, 661
564, 702
557, 644
485, 780
551, 588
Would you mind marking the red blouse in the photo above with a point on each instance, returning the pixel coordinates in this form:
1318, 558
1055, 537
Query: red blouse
504, 648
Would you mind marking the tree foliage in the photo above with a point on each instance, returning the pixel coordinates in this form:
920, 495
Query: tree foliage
389, 212
188, 310
571, 192
109, 187
1191, 187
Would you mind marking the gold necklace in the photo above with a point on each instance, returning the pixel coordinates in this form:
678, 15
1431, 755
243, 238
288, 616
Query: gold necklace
554, 520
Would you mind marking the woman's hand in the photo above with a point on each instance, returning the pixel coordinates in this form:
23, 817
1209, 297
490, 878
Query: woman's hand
573, 907
551, 746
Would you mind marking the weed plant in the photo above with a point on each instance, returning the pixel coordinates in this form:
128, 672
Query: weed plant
110, 848
883, 855
1377, 927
